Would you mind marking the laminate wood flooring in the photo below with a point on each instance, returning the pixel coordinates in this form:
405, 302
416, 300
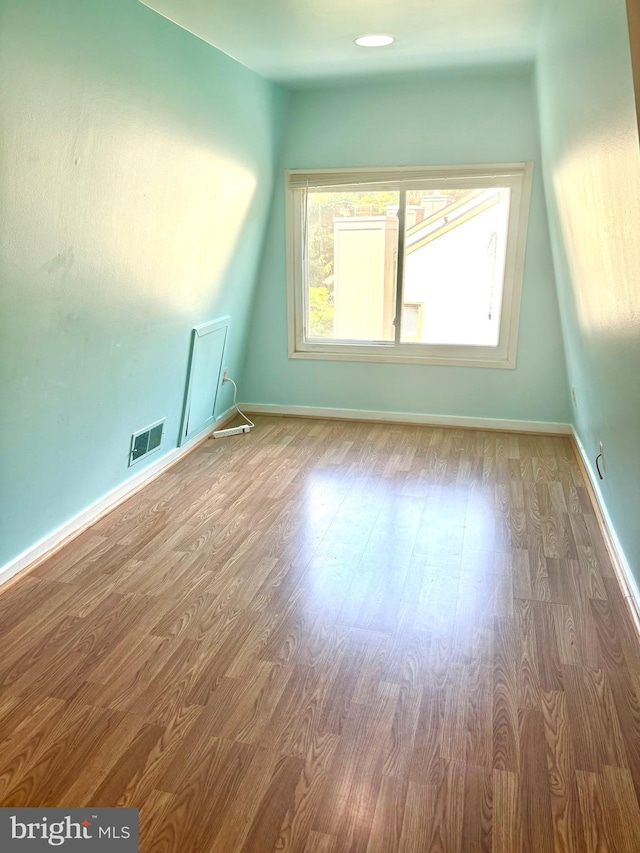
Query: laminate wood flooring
329, 637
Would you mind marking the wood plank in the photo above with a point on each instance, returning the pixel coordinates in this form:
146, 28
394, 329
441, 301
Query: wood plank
505, 699
506, 822
565, 802
388, 819
533, 784
477, 825
592, 809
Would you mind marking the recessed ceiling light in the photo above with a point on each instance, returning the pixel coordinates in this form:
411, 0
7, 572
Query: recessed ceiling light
374, 41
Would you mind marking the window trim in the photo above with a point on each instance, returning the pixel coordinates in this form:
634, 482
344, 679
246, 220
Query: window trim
516, 176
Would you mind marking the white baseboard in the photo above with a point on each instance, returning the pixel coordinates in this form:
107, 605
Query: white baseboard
75, 526
410, 418
618, 558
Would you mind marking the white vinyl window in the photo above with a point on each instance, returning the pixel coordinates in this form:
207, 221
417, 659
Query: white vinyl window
407, 264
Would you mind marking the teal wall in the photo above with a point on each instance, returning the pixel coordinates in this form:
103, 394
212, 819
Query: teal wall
132, 158
592, 178
439, 119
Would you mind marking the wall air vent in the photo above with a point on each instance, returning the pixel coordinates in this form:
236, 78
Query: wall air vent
146, 441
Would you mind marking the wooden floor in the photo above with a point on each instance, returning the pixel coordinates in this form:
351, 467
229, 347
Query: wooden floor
333, 637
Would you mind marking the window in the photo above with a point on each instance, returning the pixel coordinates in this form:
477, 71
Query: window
407, 264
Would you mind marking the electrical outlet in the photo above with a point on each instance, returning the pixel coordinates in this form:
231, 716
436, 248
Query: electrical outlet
573, 396
224, 376
602, 462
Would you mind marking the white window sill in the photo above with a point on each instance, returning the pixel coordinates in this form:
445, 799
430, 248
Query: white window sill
396, 355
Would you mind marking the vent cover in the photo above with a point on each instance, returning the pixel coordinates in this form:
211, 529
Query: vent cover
146, 441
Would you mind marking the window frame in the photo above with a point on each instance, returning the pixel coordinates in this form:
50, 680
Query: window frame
516, 176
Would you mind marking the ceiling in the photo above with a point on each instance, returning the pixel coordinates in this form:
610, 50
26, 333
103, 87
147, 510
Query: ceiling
299, 41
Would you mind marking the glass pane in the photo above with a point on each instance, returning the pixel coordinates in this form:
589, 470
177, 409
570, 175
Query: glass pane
455, 250
352, 249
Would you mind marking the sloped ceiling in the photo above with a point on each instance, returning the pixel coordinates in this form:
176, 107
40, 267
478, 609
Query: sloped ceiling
297, 41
